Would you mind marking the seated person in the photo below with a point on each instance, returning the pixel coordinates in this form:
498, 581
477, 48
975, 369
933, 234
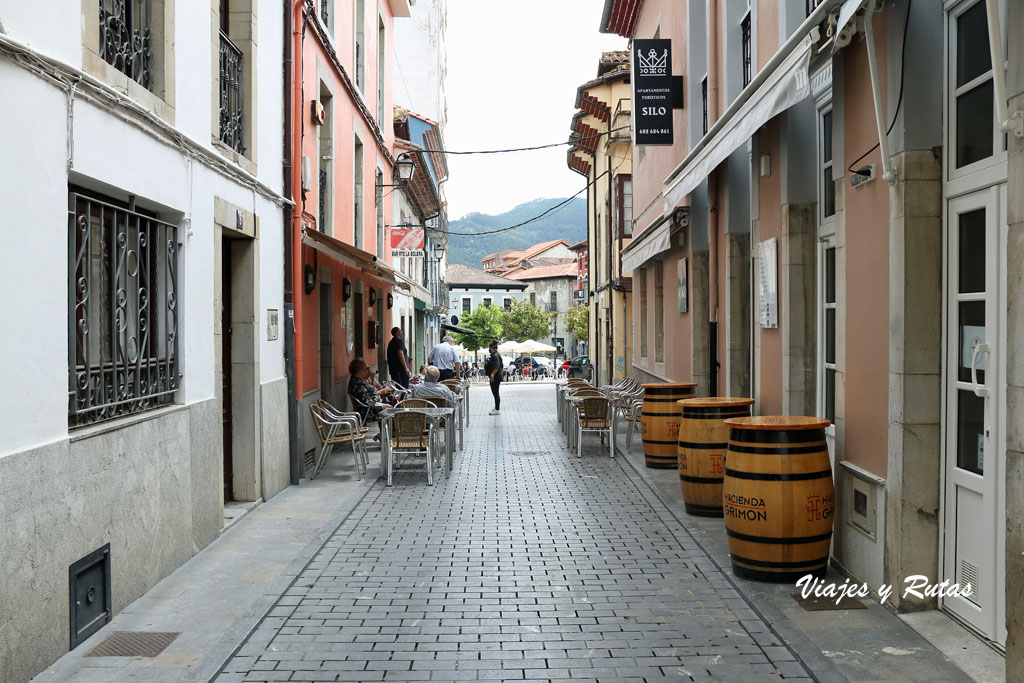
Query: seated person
430, 387
365, 399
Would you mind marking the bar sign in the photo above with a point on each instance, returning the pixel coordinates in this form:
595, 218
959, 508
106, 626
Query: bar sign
652, 91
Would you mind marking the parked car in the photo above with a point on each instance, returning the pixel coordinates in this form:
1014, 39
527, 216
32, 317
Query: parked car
574, 366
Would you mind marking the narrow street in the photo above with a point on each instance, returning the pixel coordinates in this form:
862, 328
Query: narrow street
527, 563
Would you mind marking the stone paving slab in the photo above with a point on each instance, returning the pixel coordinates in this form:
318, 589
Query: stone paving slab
543, 567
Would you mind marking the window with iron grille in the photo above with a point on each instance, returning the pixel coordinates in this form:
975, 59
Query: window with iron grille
126, 38
745, 47
123, 315
704, 102
231, 105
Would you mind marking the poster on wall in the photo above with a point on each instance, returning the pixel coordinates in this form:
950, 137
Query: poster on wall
767, 284
350, 332
681, 283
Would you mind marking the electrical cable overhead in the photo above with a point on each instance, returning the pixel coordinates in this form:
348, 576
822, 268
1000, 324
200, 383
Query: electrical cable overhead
519, 149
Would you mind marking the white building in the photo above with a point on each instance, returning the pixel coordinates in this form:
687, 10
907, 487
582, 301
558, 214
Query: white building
141, 255
472, 287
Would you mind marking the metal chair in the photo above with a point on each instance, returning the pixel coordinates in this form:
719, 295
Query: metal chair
411, 434
594, 416
333, 429
633, 416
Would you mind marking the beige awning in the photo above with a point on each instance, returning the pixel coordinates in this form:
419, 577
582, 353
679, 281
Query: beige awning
352, 256
786, 86
656, 241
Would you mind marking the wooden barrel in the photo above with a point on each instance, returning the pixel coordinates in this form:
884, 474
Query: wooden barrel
659, 422
778, 498
703, 441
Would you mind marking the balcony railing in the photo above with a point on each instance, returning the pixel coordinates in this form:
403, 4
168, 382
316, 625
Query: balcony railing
231, 95
439, 293
126, 39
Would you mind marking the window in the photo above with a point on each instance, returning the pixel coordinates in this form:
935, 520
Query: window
467, 305
973, 99
357, 195
643, 311
554, 301
123, 317
378, 200
325, 15
533, 299
827, 332
324, 185
126, 38
659, 311
827, 190
811, 5
360, 43
507, 303
231, 76
487, 301
704, 101
745, 41
380, 71
625, 203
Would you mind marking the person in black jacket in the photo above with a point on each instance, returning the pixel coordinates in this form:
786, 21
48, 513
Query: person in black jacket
493, 368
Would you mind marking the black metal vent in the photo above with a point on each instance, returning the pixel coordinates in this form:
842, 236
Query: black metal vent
89, 593
133, 644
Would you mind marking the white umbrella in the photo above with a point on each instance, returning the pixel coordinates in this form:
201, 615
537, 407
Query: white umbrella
531, 346
510, 347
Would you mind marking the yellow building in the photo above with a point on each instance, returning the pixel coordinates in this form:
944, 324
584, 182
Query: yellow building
601, 151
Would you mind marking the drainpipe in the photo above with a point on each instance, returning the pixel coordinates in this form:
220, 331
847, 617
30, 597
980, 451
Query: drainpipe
294, 456
713, 203
294, 182
611, 253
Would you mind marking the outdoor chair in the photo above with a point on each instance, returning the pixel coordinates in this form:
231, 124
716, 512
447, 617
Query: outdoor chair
333, 429
594, 416
411, 435
334, 412
632, 415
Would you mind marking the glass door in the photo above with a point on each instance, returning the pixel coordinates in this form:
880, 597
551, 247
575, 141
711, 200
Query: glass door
974, 444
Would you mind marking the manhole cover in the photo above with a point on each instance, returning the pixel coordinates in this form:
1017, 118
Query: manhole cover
133, 644
525, 454
814, 603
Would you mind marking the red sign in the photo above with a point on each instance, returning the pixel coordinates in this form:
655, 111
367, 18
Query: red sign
407, 241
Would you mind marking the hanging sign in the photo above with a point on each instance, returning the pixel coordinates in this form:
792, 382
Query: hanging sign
407, 241
651, 76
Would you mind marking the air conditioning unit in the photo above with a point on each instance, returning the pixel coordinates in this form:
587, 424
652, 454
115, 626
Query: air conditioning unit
319, 113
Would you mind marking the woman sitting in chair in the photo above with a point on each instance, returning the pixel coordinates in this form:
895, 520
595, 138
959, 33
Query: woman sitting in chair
365, 399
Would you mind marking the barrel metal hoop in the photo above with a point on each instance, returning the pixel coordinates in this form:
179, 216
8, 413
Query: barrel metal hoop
660, 443
647, 414
712, 413
795, 450
773, 476
779, 565
704, 446
790, 540
777, 436
700, 480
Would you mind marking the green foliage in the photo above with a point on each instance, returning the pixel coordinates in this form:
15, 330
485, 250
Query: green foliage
568, 223
577, 319
525, 321
487, 322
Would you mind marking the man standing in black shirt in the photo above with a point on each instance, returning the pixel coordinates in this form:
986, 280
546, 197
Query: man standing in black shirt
493, 367
398, 358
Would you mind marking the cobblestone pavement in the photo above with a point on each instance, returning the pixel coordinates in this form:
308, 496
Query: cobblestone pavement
526, 564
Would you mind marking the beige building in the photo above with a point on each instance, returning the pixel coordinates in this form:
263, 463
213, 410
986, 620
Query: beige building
601, 151
835, 232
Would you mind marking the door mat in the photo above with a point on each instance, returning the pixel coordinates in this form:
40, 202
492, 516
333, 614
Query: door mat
813, 603
133, 644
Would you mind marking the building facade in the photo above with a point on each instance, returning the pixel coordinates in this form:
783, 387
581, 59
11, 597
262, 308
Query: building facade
509, 259
601, 151
147, 370
469, 288
551, 289
834, 232
342, 152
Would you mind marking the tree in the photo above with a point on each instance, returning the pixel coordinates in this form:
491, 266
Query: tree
577, 320
486, 322
525, 321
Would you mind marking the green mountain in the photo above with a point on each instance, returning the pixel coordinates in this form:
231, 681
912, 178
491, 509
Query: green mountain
568, 223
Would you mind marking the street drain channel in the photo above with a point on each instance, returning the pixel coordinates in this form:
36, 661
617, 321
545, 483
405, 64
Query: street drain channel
527, 454
133, 644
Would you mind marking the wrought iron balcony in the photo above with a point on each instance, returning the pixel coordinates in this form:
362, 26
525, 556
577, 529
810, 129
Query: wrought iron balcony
231, 95
126, 38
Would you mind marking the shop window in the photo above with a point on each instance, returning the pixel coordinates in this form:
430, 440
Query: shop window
123, 312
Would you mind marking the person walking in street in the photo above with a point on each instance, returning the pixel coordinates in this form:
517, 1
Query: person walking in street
493, 368
398, 358
444, 358
430, 387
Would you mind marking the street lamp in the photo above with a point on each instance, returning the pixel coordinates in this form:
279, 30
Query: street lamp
438, 251
405, 167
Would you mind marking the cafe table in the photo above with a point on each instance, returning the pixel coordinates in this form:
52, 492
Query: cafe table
434, 416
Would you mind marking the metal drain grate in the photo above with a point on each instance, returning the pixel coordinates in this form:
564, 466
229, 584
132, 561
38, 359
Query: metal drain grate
133, 644
525, 454
814, 603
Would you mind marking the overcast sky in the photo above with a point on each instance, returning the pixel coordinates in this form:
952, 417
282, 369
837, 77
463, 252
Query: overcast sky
513, 70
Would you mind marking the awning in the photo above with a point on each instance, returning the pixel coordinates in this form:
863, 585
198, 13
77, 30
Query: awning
351, 256
419, 304
652, 244
786, 86
460, 330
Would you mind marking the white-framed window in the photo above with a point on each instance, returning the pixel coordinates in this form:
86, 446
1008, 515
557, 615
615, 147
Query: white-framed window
487, 301
381, 56
357, 193
827, 329
506, 303
359, 40
327, 16
974, 141
467, 305
746, 49
826, 178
